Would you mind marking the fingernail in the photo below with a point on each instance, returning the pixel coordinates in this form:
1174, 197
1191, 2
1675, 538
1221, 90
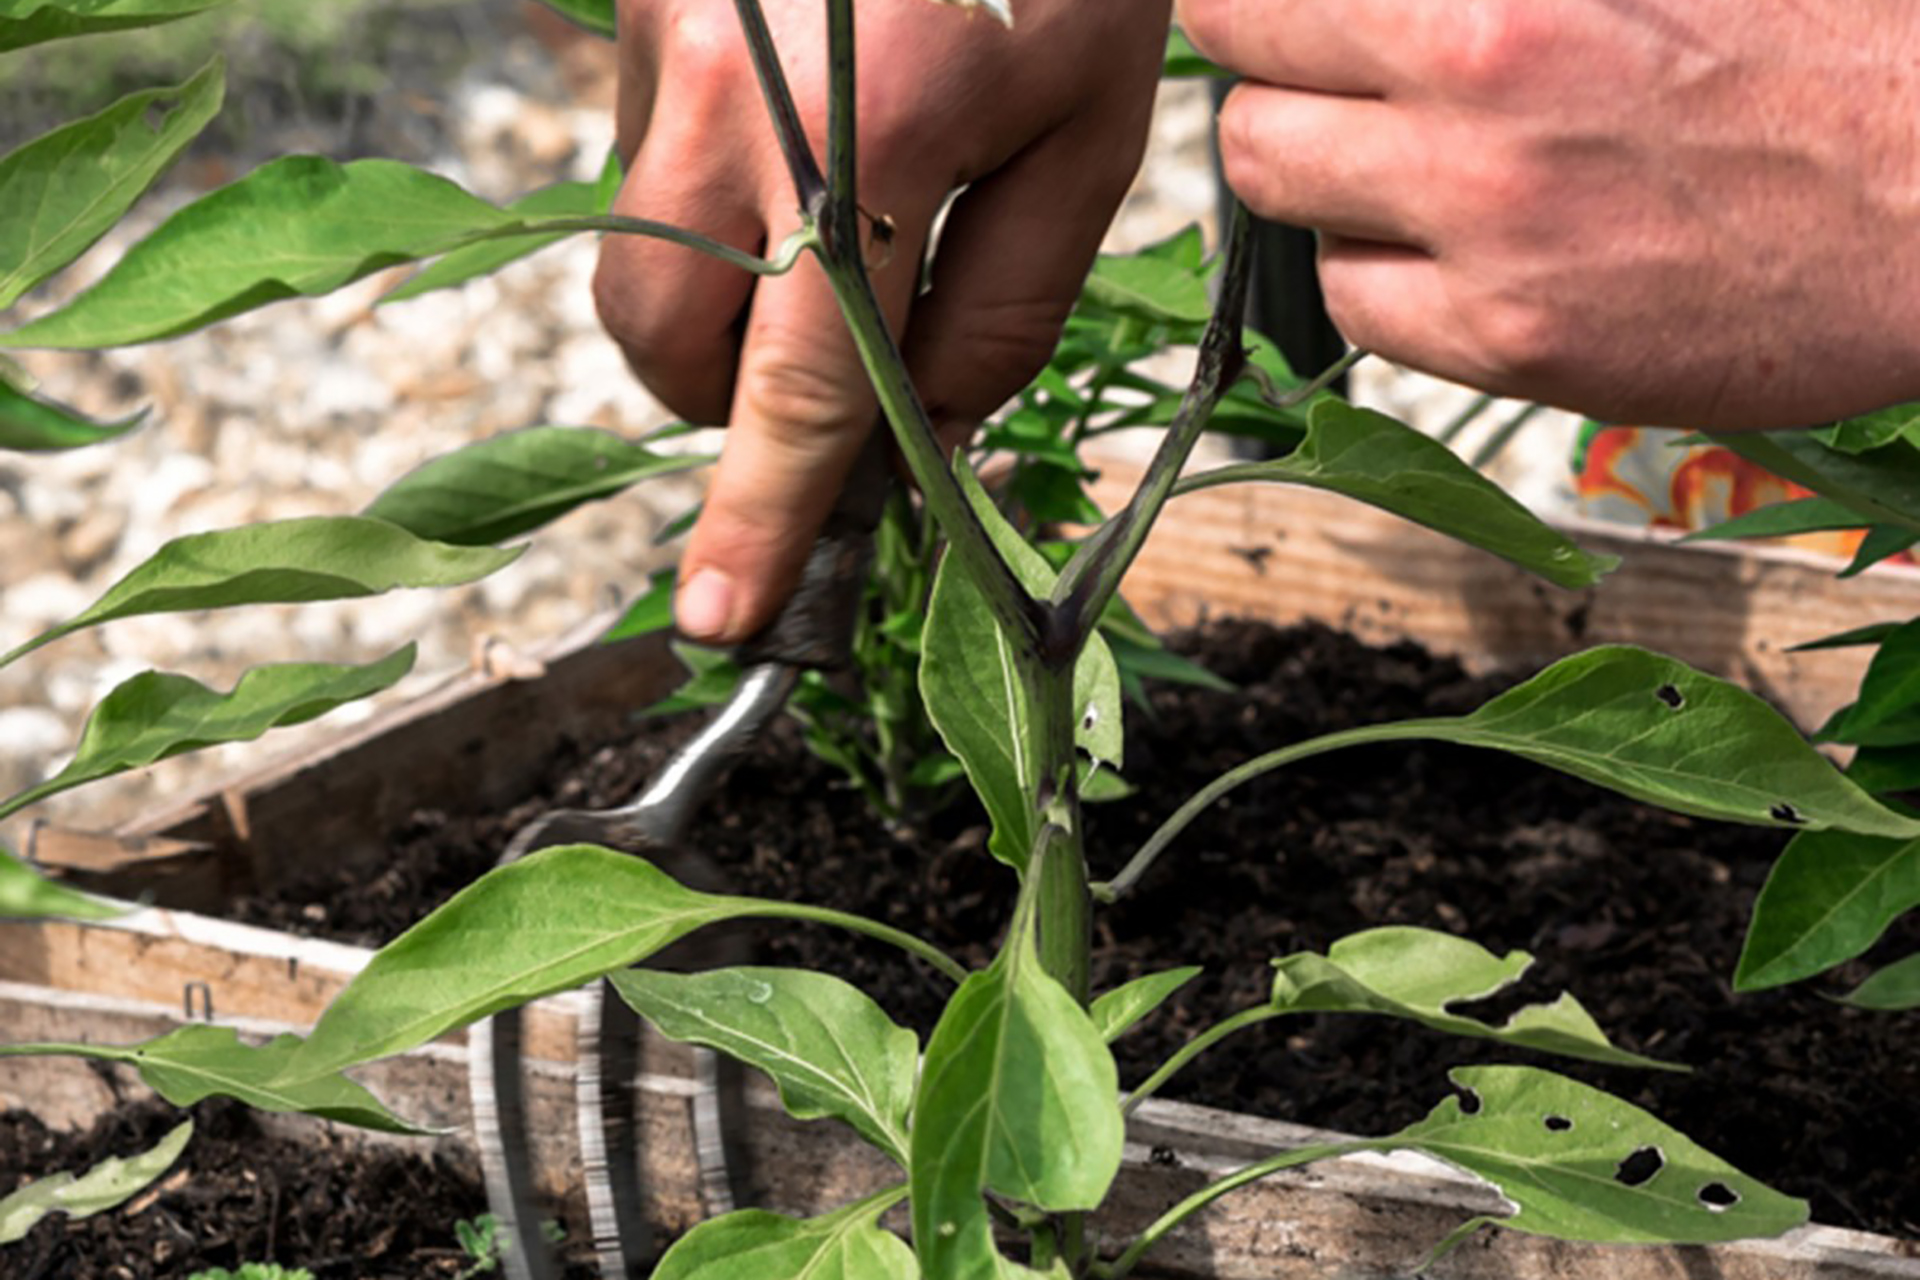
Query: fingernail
704, 607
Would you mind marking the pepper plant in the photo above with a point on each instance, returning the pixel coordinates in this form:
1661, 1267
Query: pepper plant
1007, 1124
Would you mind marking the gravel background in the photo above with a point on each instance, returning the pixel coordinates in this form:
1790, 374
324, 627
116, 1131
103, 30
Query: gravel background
313, 407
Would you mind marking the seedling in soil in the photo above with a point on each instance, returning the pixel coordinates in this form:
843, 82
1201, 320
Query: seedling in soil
1007, 1124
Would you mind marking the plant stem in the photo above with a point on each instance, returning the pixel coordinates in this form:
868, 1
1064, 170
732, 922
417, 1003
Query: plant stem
1206, 1195
1192, 1049
762, 909
1063, 905
808, 185
1093, 576
778, 265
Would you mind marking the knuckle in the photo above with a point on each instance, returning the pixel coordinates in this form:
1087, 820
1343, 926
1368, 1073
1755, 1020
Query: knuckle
1004, 348
1206, 23
1493, 46
801, 395
1520, 342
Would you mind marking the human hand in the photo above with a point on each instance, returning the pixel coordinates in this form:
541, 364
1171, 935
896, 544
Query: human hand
1046, 122
1693, 212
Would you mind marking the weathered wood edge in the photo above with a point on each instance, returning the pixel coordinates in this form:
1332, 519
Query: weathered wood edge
1363, 1216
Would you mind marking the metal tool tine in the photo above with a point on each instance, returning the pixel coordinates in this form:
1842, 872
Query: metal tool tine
498, 1091
609, 1062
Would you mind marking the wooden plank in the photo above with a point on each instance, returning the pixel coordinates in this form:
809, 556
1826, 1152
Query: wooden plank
1288, 554
1363, 1216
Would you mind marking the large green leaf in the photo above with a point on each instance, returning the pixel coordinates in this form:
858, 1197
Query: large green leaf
1783, 520
1148, 287
280, 562
752, 1244
1886, 770
1887, 711
831, 1050
28, 22
1882, 484
975, 698
1829, 897
1418, 974
1017, 1098
1895, 988
513, 483
1872, 430
1370, 457
66, 188
1556, 1148
1116, 1011
195, 1062
27, 896
154, 716
35, 425
296, 225
107, 1185
489, 256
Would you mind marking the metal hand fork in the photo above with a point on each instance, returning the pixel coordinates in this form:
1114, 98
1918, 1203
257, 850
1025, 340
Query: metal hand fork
813, 630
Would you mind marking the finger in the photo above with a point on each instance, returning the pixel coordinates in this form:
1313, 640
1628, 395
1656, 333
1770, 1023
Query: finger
1351, 166
801, 410
1306, 44
673, 310
1400, 304
1011, 259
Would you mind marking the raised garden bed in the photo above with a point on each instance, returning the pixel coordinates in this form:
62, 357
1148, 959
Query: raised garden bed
1341, 862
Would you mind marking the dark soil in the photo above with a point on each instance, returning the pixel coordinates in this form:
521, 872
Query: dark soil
1639, 912
238, 1196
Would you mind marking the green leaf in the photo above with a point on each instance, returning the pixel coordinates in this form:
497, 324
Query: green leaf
1017, 1097
1883, 485
830, 1049
1653, 728
651, 612
752, 1244
1881, 770
1887, 711
1115, 1012
1872, 633
196, 1062
1783, 520
513, 483
712, 676
297, 225
1369, 456
280, 562
1148, 286
545, 923
595, 15
29, 22
155, 716
66, 188
1893, 989
1872, 430
35, 425
488, 256
107, 1185
1417, 974
1555, 1148
1883, 542
974, 696
1156, 662
27, 896
1829, 897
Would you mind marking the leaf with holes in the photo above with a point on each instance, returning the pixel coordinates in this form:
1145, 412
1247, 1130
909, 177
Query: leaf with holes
1583, 1165
514, 483
299, 225
107, 1185
1116, 1011
66, 188
155, 716
752, 1244
829, 1048
1017, 1098
280, 562
489, 256
30, 22
973, 694
1829, 897
27, 896
1895, 988
197, 1062
33, 424
1370, 457
1419, 974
